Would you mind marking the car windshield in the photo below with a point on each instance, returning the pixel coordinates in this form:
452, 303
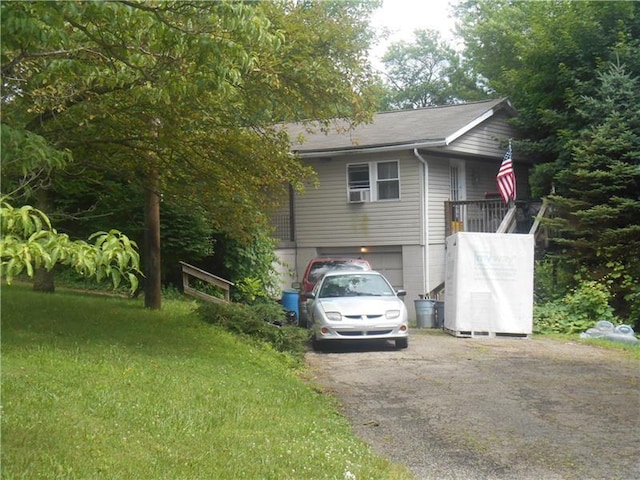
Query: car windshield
320, 268
355, 285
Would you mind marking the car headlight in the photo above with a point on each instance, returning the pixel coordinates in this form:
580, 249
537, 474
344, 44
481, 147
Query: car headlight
334, 316
392, 314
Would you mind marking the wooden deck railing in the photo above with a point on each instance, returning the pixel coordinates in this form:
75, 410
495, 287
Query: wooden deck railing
189, 272
473, 216
487, 216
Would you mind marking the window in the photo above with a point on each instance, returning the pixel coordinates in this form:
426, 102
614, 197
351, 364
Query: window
375, 180
388, 181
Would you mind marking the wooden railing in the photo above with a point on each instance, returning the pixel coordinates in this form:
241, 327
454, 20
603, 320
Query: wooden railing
189, 272
490, 216
473, 216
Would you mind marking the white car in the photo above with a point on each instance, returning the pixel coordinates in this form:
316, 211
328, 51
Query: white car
357, 306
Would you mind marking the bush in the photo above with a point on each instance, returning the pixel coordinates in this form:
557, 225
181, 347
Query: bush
264, 321
575, 312
552, 278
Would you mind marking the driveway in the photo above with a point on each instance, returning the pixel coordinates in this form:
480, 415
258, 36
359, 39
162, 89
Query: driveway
491, 408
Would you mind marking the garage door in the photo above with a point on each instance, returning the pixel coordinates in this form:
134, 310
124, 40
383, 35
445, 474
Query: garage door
389, 263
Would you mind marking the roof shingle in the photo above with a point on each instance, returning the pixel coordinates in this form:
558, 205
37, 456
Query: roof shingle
428, 126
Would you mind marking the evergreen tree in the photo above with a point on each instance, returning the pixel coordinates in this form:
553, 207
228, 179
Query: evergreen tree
598, 194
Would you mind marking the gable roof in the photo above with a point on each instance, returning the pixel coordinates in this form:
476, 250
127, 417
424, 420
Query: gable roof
419, 128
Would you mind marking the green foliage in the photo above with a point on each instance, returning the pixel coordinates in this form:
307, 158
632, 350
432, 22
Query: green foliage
552, 279
426, 73
597, 208
251, 264
577, 311
191, 88
543, 54
190, 91
27, 160
597, 204
258, 322
250, 289
29, 242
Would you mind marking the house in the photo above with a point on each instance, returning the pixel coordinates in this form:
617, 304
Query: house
390, 191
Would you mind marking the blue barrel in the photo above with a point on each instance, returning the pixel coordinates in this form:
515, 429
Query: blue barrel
290, 301
425, 313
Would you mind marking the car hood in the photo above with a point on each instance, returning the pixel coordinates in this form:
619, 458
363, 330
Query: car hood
361, 305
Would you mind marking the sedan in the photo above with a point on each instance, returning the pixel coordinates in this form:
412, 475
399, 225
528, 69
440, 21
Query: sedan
357, 306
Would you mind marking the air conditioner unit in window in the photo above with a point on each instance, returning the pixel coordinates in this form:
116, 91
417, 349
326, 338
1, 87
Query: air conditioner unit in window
358, 196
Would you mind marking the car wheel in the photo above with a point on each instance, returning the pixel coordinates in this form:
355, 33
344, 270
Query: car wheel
302, 320
317, 345
402, 342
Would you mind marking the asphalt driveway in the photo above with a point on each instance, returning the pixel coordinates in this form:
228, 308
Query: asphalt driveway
456, 408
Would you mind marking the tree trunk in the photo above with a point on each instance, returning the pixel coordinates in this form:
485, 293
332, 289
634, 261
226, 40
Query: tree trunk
43, 281
152, 282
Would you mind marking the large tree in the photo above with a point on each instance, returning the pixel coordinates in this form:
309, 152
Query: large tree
544, 54
180, 98
427, 72
597, 197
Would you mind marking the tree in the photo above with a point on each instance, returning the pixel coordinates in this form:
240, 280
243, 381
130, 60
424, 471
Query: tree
597, 199
426, 73
180, 98
29, 242
544, 54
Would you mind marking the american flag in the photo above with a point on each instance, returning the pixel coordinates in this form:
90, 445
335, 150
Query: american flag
507, 178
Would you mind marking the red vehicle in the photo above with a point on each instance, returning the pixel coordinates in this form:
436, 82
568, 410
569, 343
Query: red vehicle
316, 269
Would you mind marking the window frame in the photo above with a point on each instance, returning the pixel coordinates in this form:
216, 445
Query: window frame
374, 182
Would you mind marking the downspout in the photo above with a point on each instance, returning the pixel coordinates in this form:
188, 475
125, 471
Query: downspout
425, 253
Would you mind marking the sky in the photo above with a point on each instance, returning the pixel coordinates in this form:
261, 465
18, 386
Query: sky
402, 17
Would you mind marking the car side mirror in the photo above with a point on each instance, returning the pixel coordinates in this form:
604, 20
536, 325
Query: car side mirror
296, 285
309, 295
401, 293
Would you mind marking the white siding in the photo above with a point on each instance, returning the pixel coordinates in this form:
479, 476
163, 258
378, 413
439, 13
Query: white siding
286, 267
325, 218
486, 139
437, 259
439, 192
481, 179
413, 270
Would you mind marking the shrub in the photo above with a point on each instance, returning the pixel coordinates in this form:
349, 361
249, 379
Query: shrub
264, 321
552, 278
576, 311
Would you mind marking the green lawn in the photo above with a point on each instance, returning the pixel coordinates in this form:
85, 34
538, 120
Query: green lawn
98, 387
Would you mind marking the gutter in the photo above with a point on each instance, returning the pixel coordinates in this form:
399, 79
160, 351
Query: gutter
383, 148
425, 254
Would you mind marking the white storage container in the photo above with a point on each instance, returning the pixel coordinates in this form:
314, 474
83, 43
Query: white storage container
489, 284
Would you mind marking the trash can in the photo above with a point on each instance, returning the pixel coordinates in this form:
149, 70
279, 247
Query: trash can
290, 302
425, 313
439, 314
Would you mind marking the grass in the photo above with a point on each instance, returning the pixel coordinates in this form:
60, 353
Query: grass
96, 387
632, 350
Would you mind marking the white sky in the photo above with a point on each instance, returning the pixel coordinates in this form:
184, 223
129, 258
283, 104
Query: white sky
402, 17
